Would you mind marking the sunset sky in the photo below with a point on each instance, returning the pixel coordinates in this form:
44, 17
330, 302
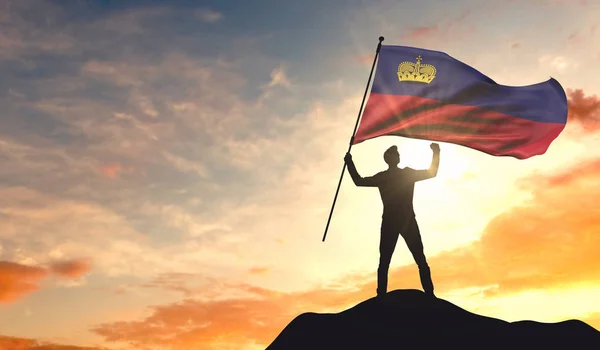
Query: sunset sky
167, 169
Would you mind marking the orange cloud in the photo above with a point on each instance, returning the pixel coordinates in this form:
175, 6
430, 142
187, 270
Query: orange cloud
177, 282
365, 59
216, 324
72, 268
448, 30
258, 270
111, 171
13, 343
18, 280
420, 32
549, 242
583, 172
584, 110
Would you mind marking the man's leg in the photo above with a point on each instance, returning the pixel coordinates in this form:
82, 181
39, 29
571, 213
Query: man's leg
412, 236
387, 244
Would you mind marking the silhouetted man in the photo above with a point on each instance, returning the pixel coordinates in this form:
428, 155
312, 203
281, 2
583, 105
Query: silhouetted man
396, 187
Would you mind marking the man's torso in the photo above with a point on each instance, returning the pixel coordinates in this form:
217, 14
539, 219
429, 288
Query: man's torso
396, 187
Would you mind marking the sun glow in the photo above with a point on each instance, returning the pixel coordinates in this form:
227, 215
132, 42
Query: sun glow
417, 154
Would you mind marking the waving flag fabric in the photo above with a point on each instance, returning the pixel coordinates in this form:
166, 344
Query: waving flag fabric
424, 94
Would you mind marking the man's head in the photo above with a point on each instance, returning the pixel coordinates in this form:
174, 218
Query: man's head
391, 156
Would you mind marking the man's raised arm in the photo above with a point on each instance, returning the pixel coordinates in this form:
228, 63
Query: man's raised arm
358, 180
433, 168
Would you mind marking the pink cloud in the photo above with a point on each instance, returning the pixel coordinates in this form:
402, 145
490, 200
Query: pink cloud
364, 59
451, 29
422, 32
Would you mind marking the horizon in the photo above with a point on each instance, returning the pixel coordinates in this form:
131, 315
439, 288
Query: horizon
169, 167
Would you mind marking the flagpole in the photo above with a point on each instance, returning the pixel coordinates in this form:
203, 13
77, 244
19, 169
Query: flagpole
352, 138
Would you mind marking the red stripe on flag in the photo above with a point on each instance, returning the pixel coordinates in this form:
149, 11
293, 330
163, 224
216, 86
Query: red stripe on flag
487, 131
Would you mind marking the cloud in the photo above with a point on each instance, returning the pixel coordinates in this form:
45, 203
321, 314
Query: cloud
20, 37
172, 117
144, 104
146, 128
72, 268
185, 165
254, 318
14, 343
538, 245
545, 243
18, 280
364, 59
37, 226
558, 64
279, 78
584, 110
452, 29
567, 2
209, 16
179, 116
111, 171
177, 119
420, 32
126, 22
574, 36
258, 270
176, 282
582, 36
172, 148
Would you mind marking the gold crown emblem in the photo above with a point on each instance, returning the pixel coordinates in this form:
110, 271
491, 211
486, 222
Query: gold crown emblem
416, 72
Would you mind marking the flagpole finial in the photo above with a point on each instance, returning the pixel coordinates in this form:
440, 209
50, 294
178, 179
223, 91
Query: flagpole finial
379, 45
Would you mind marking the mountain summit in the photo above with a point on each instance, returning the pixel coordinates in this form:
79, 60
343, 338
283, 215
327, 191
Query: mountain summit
409, 319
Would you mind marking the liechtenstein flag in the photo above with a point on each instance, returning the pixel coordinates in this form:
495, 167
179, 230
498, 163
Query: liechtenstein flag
424, 94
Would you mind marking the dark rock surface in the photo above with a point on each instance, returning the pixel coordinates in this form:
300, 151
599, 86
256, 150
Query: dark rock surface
408, 319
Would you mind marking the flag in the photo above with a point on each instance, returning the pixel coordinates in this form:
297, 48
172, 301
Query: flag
425, 94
